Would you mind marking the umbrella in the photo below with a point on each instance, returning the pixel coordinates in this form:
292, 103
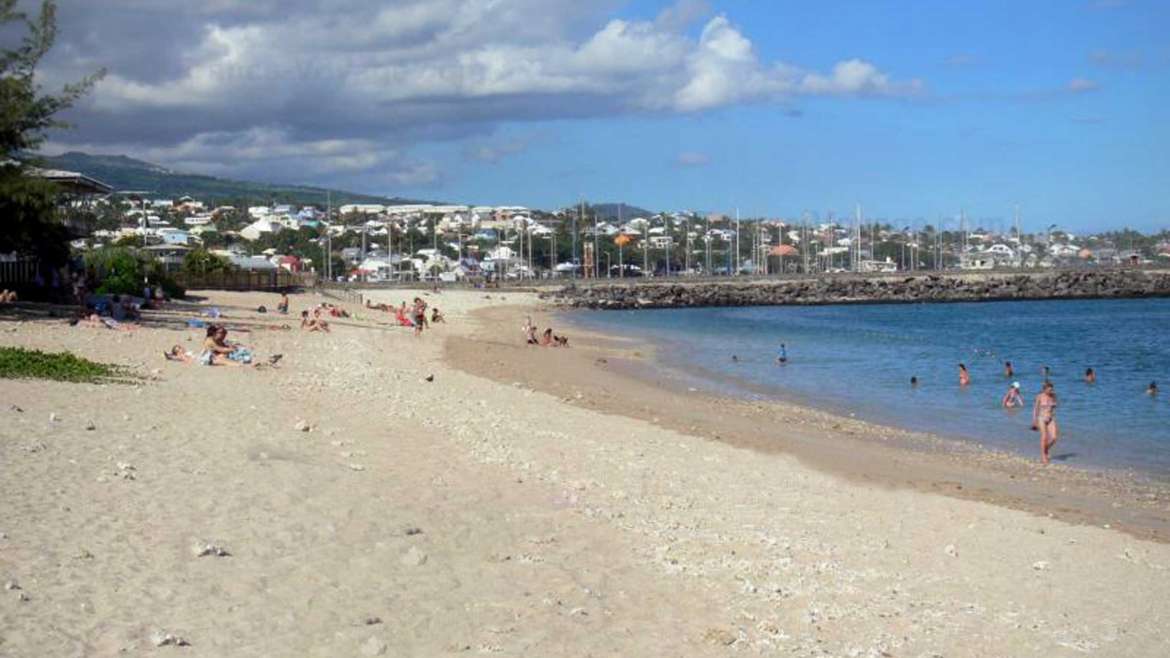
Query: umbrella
783, 250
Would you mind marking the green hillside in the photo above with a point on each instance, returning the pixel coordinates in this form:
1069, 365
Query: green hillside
127, 174
610, 210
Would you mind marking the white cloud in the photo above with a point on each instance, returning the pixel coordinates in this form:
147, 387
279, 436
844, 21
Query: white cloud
301, 74
1081, 85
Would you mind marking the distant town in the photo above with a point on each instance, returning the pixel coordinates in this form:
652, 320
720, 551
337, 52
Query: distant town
393, 243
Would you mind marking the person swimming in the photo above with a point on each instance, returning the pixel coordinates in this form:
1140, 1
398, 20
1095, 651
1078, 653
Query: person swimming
735, 358
964, 376
1090, 376
913, 382
1012, 398
782, 357
1152, 389
1008, 371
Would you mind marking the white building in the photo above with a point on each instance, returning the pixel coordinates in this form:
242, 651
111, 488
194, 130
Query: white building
259, 228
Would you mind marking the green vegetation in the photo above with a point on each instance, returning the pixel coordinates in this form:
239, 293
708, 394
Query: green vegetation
125, 271
201, 261
28, 206
21, 363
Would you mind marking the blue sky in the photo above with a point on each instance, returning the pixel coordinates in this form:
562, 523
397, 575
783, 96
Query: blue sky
689, 105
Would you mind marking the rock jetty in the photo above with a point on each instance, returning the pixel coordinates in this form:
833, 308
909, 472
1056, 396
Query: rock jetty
867, 289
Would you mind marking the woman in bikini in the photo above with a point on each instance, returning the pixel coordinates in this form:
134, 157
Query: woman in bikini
1044, 419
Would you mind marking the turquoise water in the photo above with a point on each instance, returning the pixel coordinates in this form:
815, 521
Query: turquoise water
859, 359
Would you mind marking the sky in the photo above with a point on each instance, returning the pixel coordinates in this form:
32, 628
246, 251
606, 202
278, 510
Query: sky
914, 110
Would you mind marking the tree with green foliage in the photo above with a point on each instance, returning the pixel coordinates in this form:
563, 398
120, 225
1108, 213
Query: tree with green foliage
28, 208
202, 261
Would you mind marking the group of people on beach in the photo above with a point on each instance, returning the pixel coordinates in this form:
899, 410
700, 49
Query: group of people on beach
413, 316
546, 339
217, 350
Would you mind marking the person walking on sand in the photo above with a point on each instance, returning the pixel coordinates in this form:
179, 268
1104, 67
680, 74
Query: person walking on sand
964, 376
1012, 398
1044, 419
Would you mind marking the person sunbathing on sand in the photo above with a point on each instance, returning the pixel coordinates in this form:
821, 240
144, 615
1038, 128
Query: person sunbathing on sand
214, 352
177, 353
95, 321
314, 323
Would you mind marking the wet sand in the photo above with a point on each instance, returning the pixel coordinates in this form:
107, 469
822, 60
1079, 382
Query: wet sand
619, 376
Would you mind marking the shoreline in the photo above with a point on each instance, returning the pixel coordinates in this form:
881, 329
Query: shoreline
371, 499
619, 376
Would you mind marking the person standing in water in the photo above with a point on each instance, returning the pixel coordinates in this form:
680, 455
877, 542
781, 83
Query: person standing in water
1152, 389
964, 376
914, 381
1046, 372
1012, 398
1090, 376
1044, 419
1008, 371
782, 357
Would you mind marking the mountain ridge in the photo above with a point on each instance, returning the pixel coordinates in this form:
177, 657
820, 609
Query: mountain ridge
125, 173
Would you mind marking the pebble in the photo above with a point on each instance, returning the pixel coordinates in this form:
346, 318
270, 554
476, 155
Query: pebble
414, 557
372, 620
411, 530
165, 639
302, 426
11, 585
951, 550
1040, 566
89, 426
201, 549
356, 467
720, 636
373, 647
53, 418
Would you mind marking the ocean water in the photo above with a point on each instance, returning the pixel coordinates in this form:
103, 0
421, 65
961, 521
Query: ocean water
859, 359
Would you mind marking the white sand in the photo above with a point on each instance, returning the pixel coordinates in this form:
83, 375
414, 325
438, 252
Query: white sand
546, 529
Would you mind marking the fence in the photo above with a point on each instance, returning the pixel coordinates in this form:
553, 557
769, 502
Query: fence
18, 273
242, 280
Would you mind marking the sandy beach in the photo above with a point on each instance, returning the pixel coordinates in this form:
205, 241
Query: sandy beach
461, 493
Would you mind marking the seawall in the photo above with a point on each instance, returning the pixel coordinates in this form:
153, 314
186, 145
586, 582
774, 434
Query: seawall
866, 289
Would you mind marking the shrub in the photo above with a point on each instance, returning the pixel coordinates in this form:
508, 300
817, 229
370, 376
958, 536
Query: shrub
20, 363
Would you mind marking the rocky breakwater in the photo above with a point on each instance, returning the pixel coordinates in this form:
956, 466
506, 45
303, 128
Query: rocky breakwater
861, 289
